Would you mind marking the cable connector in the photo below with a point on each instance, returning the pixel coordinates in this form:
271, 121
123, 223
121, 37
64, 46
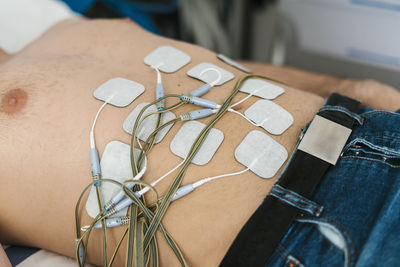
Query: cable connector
159, 91
185, 117
201, 90
198, 114
159, 88
201, 113
182, 191
206, 87
81, 251
186, 98
109, 205
160, 105
113, 222
120, 194
94, 162
199, 101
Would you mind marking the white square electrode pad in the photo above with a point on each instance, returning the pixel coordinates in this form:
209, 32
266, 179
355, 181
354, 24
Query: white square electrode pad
167, 58
149, 124
187, 135
210, 75
261, 154
119, 92
270, 116
115, 164
261, 88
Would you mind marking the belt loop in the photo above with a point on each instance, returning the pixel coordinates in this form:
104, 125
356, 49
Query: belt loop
296, 200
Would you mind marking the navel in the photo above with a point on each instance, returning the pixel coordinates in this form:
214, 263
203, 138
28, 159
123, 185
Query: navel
13, 101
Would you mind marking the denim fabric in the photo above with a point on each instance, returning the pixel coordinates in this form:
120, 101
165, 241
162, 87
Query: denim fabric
353, 215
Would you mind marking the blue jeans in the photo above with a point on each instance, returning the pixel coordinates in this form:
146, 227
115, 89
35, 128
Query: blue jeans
353, 216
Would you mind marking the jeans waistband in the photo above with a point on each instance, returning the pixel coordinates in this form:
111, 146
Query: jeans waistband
374, 126
379, 127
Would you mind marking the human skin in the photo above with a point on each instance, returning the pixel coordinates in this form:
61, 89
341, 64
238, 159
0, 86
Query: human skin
47, 107
4, 262
370, 92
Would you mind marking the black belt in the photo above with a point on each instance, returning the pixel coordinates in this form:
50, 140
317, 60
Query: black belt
319, 148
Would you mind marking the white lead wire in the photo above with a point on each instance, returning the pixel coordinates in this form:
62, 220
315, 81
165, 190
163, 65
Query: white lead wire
158, 71
247, 97
240, 114
213, 83
209, 179
92, 142
144, 190
230, 109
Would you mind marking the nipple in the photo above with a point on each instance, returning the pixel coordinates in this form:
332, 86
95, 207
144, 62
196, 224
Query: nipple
13, 101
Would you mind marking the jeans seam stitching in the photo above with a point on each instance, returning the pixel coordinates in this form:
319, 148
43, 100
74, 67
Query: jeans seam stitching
285, 251
288, 254
375, 160
379, 135
348, 235
280, 254
380, 112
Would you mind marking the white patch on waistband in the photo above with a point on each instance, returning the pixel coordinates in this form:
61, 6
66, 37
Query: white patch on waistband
149, 124
186, 136
119, 92
272, 117
210, 76
167, 58
116, 165
261, 88
261, 154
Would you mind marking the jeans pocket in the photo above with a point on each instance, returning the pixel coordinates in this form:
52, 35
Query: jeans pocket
360, 148
336, 234
314, 241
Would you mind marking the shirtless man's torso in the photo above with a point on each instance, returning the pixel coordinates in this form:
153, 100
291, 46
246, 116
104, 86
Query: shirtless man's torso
47, 107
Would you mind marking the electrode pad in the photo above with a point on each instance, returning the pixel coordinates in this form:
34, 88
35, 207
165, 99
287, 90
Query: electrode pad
115, 164
270, 116
210, 75
149, 124
187, 135
168, 59
119, 92
261, 154
261, 88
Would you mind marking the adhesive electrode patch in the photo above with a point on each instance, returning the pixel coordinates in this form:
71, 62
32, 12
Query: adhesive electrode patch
272, 117
119, 92
167, 58
210, 76
187, 135
261, 154
261, 88
115, 164
149, 124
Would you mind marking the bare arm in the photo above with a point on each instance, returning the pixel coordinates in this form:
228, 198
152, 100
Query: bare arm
369, 92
